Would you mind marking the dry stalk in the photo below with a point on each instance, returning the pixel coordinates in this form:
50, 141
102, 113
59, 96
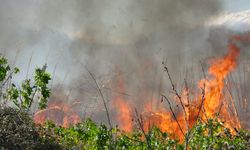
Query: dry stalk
232, 80
188, 96
232, 101
53, 76
18, 50
139, 120
102, 96
205, 114
174, 89
28, 69
181, 102
175, 118
8, 78
203, 94
218, 113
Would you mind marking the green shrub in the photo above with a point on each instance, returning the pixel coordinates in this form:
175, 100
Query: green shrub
89, 135
213, 135
23, 95
17, 129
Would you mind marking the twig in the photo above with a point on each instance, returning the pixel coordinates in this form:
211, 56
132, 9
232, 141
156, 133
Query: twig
7, 79
174, 89
28, 69
190, 136
143, 132
203, 93
132, 139
170, 107
102, 96
32, 98
182, 105
186, 88
53, 76
205, 114
233, 103
218, 113
18, 49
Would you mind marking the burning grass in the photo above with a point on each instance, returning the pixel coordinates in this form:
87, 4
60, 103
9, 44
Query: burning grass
211, 103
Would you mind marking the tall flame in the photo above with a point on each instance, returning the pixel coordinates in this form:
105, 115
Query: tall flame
122, 106
214, 96
207, 105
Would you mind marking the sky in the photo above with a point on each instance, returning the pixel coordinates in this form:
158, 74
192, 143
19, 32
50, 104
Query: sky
236, 5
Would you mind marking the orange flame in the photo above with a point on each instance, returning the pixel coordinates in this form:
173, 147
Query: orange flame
214, 95
177, 121
124, 115
123, 107
212, 100
58, 112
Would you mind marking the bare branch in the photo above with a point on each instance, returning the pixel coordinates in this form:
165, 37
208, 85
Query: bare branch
28, 69
102, 96
186, 88
233, 103
203, 94
170, 107
139, 120
174, 89
181, 102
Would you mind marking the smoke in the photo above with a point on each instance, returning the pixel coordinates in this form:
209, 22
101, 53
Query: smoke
133, 36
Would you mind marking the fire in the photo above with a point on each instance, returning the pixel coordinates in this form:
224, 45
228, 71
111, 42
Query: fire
210, 104
123, 107
58, 112
214, 96
124, 115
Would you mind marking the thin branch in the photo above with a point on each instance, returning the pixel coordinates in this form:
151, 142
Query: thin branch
218, 113
170, 107
102, 96
32, 98
203, 91
233, 103
143, 131
7, 79
132, 139
202, 102
53, 76
181, 102
174, 89
28, 69
186, 88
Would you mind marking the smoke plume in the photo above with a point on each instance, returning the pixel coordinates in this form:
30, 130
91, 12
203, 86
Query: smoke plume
109, 37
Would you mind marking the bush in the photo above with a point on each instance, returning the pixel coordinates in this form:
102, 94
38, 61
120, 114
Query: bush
89, 135
17, 131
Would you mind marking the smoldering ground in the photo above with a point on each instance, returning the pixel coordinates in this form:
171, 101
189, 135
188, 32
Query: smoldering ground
133, 36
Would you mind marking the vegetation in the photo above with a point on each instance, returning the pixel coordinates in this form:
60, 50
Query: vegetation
18, 131
88, 135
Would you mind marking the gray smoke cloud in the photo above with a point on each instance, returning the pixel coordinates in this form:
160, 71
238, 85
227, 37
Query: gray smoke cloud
133, 36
